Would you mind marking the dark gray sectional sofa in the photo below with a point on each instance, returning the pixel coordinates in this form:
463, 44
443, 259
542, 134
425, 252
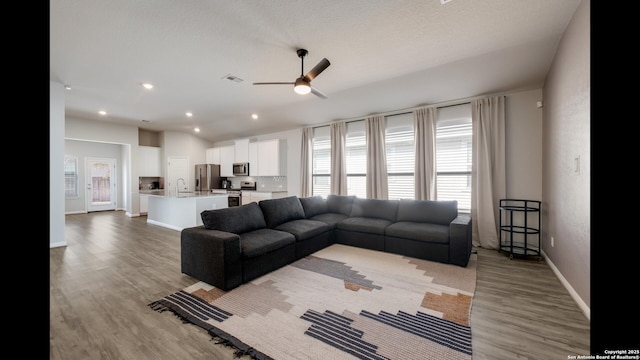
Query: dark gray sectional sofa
238, 244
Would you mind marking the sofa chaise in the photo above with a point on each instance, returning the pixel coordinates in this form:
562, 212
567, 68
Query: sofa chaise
238, 244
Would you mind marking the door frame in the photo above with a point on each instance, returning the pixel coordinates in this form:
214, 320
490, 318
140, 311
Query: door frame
113, 195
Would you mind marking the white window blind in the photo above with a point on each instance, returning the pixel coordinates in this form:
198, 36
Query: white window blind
321, 171
400, 156
356, 159
453, 155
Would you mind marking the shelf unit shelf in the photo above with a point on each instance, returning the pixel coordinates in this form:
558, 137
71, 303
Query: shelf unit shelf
520, 227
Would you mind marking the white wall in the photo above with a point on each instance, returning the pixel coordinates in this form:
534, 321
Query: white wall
567, 133
523, 132
56, 165
182, 144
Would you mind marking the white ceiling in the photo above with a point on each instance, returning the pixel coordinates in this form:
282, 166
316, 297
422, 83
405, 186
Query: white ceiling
385, 55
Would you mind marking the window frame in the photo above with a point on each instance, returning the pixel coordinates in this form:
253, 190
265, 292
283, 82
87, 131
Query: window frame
71, 188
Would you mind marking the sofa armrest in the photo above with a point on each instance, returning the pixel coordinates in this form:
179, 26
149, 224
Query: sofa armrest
212, 256
460, 240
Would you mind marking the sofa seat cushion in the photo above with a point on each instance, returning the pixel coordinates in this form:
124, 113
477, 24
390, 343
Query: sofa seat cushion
279, 211
304, 229
237, 220
331, 219
364, 225
262, 241
434, 233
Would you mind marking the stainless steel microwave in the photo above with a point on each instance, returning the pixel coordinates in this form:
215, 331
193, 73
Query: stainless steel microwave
241, 169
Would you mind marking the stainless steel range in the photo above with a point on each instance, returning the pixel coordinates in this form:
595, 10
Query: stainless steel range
235, 194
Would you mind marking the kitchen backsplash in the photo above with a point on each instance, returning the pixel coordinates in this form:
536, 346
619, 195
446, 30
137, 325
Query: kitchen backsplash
148, 183
267, 183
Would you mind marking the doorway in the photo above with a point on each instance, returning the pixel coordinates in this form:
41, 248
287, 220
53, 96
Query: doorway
101, 184
178, 169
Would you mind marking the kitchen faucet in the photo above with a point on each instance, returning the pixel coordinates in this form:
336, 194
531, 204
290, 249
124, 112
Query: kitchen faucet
178, 185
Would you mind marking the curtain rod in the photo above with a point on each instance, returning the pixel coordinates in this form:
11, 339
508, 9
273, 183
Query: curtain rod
440, 105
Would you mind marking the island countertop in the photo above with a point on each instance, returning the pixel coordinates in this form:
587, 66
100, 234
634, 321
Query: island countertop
185, 194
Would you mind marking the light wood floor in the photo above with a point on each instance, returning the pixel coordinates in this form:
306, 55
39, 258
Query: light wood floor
113, 266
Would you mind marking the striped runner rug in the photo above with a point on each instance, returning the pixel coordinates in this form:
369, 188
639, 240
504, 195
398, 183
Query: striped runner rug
341, 302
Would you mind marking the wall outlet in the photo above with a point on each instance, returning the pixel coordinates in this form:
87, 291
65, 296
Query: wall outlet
552, 241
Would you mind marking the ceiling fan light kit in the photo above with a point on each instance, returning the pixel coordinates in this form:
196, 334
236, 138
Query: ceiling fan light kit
302, 85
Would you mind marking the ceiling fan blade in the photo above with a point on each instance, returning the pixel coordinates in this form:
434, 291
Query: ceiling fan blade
320, 67
273, 83
318, 93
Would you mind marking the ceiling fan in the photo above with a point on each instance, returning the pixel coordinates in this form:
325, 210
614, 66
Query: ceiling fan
302, 85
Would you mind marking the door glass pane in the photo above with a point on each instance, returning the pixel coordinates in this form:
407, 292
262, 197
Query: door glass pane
101, 183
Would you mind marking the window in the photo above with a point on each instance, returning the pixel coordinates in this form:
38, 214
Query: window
400, 156
356, 159
453, 155
70, 177
321, 172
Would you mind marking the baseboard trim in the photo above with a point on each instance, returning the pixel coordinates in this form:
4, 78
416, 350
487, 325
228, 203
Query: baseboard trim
581, 304
164, 225
57, 244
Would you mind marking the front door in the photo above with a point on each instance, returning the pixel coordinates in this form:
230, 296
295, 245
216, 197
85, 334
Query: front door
101, 184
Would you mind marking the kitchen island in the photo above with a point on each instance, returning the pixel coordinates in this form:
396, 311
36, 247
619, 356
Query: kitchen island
179, 211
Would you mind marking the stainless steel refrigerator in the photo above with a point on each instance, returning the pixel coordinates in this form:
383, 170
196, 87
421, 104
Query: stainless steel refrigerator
207, 177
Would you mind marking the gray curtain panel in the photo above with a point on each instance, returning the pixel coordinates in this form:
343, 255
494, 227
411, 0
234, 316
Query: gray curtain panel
377, 185
488, 183
338, 163
424, 124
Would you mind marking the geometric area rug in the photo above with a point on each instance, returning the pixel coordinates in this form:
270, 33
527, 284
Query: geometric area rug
341, 302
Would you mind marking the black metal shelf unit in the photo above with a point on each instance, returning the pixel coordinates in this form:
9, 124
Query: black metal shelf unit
520, 227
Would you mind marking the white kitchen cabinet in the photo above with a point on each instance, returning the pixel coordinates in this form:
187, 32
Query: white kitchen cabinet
150, 164
227, 158
272, 158
144, 204
253, 159
212, 156
242, 151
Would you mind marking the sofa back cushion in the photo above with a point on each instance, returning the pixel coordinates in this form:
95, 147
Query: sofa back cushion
314, 205
428, 211
340, 204
279, 211
375, 208
237, 220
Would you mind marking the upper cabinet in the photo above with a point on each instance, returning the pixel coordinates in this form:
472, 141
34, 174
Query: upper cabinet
212, 156
150, 161
265, 158
271, 158
227, 158
242, 151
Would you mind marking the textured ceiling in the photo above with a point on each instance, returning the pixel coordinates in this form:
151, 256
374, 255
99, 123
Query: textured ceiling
385, 55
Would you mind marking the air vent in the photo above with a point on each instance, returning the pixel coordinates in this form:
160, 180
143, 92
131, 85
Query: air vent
232, 78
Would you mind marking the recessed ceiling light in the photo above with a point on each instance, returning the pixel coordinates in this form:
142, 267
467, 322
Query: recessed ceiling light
102, 112
147, 86
189, 114
254, 116
196, 129
67, 87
